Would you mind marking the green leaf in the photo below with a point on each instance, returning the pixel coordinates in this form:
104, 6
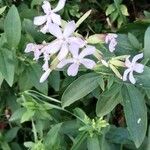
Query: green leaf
1, 79
80, 88
96, 38
52, 135
84, 17
7, 65
12, 27
27, 115
36, 2
144, 78
54, 80
93, 143
111, 8
17, 114
134, 41
11, 134
79, 140
35, 74
108, 100
2, 9
124, 10
135, 113
147, 43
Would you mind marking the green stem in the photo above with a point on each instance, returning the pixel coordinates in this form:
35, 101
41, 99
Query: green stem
34, 131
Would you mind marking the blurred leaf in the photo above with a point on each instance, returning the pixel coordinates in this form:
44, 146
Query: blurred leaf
111, 8
11, 134
118, 135
7, 66
96, 38
36, 2
27, 115
135, 113
134, 41
79, 140
124, 10
2, 9
54, 80
143, 79
52, 140
147, 43
17, 114
80, 88
12, 27
81, 20
93, 143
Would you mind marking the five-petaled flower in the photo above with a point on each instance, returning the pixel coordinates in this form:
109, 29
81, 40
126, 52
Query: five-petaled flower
64, 39
133, 66
78, 59
111, 40
50, 17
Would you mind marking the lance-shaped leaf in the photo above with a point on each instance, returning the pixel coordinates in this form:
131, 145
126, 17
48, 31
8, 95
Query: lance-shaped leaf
135, 113
80, 88
7, 65
12, 27
147, 43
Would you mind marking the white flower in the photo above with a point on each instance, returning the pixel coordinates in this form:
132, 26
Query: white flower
78, 59
111, 40
45, 75
36, 49
133, 66
64, 39
50, 17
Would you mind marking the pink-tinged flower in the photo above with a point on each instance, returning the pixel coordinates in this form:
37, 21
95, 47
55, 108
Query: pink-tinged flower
78, 59
133, 66
111, 40
64, 39
50, 17
36, 49
45, 75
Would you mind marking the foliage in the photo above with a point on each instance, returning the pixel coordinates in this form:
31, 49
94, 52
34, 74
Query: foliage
101, 105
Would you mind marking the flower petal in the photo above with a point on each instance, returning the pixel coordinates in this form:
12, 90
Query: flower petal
88, 63
64, 62
60, 5
137, 57
73, 69
53, 47
139, 68
125, 74
29, 47
45, 75
69, 29
131, 78
40, 20
76, 40
37, 54
46, 7
89, 50
45, 66
112, 45
44, 29
127, 62
55, 30
63, 52
74, 49
56, 18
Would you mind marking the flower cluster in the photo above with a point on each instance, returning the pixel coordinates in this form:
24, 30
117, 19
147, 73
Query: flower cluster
72, 51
